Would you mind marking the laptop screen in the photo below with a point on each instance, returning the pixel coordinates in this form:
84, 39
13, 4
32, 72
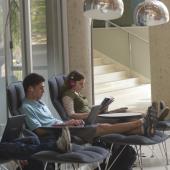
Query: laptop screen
13, 128
91, 119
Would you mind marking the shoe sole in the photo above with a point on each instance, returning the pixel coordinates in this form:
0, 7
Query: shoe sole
163, 113
162, 105
152, 120
67, 138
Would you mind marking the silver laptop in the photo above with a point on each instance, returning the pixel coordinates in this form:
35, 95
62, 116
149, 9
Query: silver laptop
91, 119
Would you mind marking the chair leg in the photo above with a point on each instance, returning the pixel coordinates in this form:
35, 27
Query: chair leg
57, 166
2, 167
165, 154
108, 158
140, 158
152, 150
117, 157
73, 166
99, 166
165, 151
165, 165
19, 164
45, 165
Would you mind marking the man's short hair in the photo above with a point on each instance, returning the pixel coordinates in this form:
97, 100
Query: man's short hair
32, 79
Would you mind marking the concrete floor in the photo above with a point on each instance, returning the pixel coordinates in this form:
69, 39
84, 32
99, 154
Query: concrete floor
155, 161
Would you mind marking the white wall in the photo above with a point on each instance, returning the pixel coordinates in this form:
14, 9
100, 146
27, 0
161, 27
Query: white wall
113, 43
116, 43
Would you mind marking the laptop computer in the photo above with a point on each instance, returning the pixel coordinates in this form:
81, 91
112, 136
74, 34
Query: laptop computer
91, 119
13, 128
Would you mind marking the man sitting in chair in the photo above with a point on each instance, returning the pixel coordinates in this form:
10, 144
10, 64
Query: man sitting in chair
38, 115
23, 148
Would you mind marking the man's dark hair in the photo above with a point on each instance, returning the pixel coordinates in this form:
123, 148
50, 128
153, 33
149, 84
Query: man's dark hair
32, 79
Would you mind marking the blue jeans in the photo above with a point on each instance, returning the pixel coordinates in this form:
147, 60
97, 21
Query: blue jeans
23, 148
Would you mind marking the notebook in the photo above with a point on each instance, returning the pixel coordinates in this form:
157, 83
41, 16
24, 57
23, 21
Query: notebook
13, 128
98, 109
106, 102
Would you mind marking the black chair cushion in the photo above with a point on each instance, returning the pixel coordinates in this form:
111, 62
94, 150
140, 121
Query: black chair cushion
15, 95
135, 139
79, 154
55, 87
163, 125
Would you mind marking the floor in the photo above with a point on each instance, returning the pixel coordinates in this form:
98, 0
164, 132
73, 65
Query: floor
154, 161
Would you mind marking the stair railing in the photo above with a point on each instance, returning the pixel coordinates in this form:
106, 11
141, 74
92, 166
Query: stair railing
108, 23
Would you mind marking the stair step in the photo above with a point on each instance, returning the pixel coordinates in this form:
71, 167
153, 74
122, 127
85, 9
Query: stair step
103, 69
96, 54
136, 98
110, 77
117, 85
129, 92
97, 61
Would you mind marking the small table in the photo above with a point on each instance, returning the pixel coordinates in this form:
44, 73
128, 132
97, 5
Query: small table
122, 116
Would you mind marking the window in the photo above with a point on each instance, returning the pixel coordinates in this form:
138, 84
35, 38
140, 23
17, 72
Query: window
16, 69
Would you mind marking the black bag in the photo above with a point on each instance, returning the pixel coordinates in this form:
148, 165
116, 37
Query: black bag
126, 159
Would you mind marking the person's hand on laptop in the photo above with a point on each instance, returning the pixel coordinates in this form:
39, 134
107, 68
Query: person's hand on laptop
71, 122
74, 122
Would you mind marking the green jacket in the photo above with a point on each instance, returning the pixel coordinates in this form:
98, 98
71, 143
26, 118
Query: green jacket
81, 104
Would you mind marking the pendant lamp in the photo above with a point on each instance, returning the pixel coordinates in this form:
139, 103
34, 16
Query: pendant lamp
103, 9
151, 13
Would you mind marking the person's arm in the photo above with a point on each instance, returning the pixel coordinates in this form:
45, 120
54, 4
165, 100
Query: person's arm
68, 104
71, 122
119, 110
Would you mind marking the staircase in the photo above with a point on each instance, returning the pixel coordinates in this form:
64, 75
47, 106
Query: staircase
113, 79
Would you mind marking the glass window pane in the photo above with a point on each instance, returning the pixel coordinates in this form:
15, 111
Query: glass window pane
39, 40
15, 29
2, 69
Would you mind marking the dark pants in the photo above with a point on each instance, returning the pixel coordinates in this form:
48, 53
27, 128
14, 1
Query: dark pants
23, 148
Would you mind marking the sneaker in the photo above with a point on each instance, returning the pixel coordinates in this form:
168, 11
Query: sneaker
64, 141
164, 111
162, 104
151, 120
154, 110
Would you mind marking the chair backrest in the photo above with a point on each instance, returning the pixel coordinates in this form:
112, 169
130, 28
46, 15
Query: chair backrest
15, 95
55, 87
